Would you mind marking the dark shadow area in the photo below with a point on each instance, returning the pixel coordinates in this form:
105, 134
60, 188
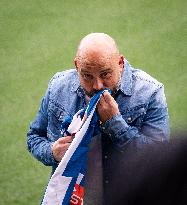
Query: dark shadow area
154, 175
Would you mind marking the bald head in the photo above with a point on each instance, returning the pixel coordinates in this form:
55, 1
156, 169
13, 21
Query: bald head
96, 45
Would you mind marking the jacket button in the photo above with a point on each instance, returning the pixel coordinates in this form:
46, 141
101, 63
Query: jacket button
129, 119
106, 156
106, 181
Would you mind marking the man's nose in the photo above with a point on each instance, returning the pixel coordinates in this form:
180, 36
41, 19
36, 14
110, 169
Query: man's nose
98, 84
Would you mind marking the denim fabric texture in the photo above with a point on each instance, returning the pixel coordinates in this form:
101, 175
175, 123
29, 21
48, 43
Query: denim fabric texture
143, 114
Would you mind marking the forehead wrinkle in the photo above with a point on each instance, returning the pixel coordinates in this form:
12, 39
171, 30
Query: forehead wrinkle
93, 61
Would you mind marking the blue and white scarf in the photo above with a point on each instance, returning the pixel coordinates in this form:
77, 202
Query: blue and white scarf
66, 185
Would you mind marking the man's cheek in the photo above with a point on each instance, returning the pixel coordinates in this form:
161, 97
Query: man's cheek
85, 85
87, 88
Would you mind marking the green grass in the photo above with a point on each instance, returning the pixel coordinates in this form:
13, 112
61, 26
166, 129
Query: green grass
39, 38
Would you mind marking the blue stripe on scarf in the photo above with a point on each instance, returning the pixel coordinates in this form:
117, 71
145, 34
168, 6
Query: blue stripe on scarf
69, 192
77, 163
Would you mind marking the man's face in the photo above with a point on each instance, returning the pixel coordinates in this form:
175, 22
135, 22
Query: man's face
100, 73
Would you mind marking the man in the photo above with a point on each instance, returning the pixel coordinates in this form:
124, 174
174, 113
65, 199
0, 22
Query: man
134, 115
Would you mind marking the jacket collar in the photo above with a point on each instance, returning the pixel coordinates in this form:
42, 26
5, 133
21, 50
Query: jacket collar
126, 79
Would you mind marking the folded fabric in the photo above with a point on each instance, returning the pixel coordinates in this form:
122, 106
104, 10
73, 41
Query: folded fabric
66, 185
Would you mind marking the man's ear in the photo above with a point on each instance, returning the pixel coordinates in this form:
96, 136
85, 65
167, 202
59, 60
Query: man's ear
121, 61
75, 62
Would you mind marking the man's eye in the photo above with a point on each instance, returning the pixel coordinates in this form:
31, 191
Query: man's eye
87, 76
106, 75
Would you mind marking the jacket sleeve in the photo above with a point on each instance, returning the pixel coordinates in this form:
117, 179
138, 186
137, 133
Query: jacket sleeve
37, 141
155, 125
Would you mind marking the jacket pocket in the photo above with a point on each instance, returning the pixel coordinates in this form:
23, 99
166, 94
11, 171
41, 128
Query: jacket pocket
56, 116
134, 115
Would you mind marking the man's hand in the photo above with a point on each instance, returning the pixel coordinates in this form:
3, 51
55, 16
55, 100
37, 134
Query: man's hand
107, 107
60, 147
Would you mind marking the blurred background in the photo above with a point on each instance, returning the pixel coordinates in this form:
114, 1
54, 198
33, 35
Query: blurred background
40, 37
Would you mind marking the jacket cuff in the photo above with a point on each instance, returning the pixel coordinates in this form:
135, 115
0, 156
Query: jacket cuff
49, 159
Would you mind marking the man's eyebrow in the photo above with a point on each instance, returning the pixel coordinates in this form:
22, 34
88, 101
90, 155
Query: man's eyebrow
105, 70
84, 71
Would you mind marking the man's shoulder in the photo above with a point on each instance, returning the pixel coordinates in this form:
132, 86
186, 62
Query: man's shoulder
64, 78
144, 78
62, 75
143, 86
62, 87
138, 82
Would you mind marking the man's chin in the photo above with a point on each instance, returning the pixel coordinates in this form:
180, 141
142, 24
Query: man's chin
90, 94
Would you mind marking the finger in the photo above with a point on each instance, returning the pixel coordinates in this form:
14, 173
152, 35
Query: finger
62, 147
60, 152
102, 100
107, 97
101, 104
66, 139
66, 145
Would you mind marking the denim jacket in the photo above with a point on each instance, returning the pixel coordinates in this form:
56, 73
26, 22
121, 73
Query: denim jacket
143, 114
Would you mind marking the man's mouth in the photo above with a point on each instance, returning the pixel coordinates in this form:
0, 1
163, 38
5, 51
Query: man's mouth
92, 93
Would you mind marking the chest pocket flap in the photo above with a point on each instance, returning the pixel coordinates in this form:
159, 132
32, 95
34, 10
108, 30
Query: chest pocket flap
134, 115
56, 115
59, 112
